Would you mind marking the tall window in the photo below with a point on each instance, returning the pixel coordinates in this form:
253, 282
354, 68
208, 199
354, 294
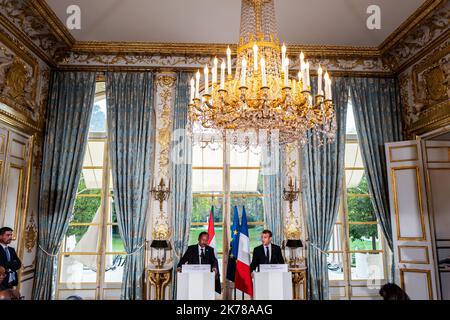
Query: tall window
356, 256
223, 177
92, 254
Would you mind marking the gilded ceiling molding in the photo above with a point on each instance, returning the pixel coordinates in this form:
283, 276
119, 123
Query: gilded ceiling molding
417, 17
59, 29
26, 23
427, 33
195, 49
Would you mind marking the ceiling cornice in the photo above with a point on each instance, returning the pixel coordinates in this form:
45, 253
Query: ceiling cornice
409, 24
213, 49
58, 28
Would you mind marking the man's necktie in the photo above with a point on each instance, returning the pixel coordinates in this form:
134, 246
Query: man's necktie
267, 255
202, 256
12, 276
8, 254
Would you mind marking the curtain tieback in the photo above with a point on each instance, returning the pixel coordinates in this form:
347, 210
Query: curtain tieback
49, 254
318, 249
135, 251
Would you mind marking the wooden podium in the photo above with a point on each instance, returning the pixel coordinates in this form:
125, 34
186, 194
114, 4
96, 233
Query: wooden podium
274, 283
195, 282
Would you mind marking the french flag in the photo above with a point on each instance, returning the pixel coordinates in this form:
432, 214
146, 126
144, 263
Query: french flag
243, 278
211, 231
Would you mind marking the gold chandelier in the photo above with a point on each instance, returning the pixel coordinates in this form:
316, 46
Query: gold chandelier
261, 95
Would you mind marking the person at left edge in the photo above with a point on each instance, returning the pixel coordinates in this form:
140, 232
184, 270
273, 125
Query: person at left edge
201, 253
8, 258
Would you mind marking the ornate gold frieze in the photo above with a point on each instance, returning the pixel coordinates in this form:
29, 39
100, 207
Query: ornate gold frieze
31, 234
165, 84
429, 28
22, 19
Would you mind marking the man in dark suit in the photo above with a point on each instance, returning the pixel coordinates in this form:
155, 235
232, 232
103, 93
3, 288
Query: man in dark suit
267, 253
201, 253
8, 258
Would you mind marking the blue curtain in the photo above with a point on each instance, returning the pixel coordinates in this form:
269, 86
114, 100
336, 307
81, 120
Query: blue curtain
67, 126
131, 132
272, 170
181, 172
377, 109
323, 168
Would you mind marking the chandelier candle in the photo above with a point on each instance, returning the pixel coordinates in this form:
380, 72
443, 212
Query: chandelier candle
255, 57
283, 54
319, 81
286, 72
192, 90
197, 85
206, 71
222, 75
229, 61
214, 71
308, 80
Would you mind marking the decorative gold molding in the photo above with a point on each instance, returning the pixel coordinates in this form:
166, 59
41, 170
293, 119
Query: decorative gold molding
409, 24
428, 274
432, 119
419, 199
31, 234
59, 29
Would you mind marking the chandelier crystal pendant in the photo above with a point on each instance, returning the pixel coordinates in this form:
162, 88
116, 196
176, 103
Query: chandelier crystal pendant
261, 95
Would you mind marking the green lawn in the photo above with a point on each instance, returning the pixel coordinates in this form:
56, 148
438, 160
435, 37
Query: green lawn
254, 234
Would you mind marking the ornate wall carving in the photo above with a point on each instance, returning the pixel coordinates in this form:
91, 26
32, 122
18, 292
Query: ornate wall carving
23, 15
425, 91
434, 28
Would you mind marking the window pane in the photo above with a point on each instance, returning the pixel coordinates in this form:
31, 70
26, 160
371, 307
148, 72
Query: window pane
94, 154
93, 179
201, 207
114, 264
353, 156
254, 208
207, 180
335, 263
98, 117
195, 231
114, 242
112, 217
248, 158
85, 294
82, 239
367, 266
336, 239
356, 182
87, 210
353, 179
207, 157
364, 237
79, 269
245, 180
360, 209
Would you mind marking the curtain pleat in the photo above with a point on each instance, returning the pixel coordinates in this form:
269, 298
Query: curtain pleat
131, 133
181, 172
377, 109
323, 168
272, 171
67, 126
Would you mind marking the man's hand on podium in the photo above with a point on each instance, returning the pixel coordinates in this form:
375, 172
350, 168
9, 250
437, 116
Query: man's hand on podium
179, 269
215, 271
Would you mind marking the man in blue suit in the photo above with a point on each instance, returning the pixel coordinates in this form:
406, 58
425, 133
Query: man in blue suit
8, 258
